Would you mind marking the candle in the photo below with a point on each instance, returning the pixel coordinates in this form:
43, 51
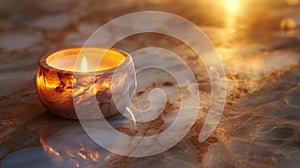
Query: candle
76, 76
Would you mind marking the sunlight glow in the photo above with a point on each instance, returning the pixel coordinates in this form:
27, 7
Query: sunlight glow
232, 5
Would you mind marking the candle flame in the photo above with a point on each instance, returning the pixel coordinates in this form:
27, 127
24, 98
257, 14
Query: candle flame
84, 67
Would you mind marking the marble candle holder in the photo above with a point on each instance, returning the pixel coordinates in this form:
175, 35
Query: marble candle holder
60, 83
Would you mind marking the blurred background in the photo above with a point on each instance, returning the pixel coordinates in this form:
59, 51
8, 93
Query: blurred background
257, 40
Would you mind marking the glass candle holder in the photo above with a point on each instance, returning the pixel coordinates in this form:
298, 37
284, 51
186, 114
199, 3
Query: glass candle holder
78, 75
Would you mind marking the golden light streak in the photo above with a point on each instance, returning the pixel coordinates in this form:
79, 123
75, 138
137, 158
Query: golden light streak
232, 10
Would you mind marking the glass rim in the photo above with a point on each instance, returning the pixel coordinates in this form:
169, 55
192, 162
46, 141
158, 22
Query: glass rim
128, 60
